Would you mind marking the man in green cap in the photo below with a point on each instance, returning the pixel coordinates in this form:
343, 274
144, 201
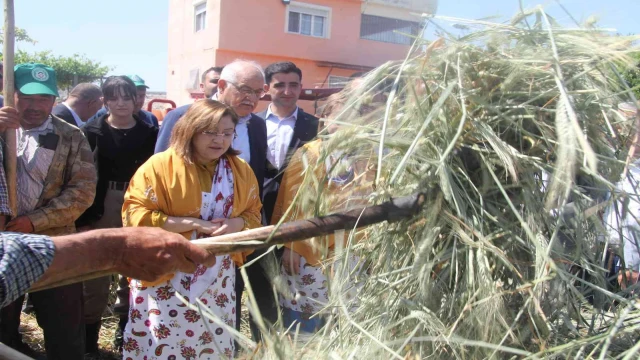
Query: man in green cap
56, 183
141, 90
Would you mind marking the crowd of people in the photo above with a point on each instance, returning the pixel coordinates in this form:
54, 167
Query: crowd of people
96, 174
102, 187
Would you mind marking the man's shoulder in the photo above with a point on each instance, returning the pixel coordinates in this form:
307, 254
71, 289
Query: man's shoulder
305, 115
59, 109
177, 112
65, 129
262, 115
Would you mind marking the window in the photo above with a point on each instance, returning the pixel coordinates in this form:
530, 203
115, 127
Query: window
338, 81
310, 20
384, 29
200, 16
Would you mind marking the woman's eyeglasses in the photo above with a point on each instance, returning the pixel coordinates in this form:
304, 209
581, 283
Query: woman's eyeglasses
225, 135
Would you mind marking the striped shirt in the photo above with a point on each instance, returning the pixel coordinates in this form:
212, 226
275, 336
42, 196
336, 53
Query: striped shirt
23, 260
4, 191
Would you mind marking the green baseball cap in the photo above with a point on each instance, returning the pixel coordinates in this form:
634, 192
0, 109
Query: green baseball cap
35, 79
137, 80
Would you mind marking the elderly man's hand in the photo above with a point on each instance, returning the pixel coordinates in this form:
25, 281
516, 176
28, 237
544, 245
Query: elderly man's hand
21, 224
149, 253
9, 118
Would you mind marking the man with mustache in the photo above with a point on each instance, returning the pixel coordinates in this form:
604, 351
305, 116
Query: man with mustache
56, 184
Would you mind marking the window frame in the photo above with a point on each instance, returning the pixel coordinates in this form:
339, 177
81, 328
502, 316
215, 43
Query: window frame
337, 79
312, 10
196, 12
417, 25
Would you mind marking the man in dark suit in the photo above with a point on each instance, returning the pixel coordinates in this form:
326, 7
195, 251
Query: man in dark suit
83, 102
288, 126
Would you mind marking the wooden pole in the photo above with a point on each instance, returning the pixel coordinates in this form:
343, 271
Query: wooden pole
391, 211
10, 146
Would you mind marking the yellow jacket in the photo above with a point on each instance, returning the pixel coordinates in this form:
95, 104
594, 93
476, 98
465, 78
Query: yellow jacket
168, 186
338, 198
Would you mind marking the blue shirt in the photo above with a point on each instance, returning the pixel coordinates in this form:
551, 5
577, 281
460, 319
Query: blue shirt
144, 115
23, 260
169, 121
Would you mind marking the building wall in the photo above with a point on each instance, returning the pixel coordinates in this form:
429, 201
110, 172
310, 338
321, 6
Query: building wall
189, 50
267, 19
255, 30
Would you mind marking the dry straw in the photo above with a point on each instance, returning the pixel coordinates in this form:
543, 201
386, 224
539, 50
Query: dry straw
514, 130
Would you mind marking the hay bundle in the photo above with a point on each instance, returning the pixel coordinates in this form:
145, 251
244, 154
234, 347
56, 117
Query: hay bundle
514, 133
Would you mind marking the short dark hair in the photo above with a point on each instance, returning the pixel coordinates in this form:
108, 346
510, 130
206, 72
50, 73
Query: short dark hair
112, 86
217, 69
283, 67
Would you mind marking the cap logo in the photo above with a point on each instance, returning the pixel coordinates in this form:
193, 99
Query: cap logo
40, 74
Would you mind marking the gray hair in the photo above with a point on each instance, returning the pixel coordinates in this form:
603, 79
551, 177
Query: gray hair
230, 71
86, 92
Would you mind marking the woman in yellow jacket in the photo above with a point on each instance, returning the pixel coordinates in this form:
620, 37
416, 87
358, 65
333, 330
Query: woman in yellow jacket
197, 188
344, 184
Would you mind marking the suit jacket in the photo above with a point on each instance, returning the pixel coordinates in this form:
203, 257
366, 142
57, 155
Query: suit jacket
258, 142
63, 113
304, 131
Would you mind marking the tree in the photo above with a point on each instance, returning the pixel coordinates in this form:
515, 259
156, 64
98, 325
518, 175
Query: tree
632, 75
21, 35
69, 69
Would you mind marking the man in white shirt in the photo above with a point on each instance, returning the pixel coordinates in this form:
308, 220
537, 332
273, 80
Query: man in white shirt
288, 126
83, 102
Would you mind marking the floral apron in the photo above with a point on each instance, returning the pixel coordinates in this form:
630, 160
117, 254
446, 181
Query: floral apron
161, 326
309, 289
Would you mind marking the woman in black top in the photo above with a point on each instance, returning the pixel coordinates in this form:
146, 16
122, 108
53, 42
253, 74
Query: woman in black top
120, 142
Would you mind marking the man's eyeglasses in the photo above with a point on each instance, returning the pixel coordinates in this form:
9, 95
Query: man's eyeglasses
245, 90
225, 135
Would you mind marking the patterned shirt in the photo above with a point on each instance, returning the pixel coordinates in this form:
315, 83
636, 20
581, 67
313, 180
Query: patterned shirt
23, 260
34, 160
4, 190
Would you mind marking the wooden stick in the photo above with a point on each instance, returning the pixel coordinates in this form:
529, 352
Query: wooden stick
391, 211
10, 146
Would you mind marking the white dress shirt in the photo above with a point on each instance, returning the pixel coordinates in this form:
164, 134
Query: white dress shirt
279, 134
622, 221
79, 121
241, 142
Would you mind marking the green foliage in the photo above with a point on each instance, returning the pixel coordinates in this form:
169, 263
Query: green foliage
21, 36
632, 75
66, 67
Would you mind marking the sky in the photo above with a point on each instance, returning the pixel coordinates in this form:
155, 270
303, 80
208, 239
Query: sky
131, 35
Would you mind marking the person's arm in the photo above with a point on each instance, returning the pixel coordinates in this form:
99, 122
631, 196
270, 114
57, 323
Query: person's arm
140, 253
78, 191
23, 259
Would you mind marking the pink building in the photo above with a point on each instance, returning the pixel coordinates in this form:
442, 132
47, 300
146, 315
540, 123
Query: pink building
328, 39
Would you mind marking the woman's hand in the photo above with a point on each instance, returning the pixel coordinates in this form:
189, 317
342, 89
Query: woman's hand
205, 226
227, 226
291, 261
